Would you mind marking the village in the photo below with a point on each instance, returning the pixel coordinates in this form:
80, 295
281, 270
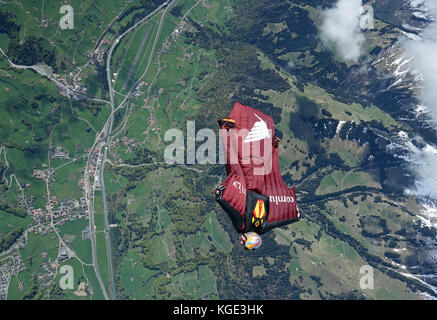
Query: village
48, 219
10, 266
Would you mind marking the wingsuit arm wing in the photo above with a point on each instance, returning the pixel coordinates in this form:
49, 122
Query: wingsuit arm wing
231, 194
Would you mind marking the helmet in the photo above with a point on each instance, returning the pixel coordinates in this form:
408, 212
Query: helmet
253, 240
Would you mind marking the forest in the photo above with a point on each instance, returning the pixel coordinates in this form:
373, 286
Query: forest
32, 51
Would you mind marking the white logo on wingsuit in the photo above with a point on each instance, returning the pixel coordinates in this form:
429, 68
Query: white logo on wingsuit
259, 131
280, 199
237, 185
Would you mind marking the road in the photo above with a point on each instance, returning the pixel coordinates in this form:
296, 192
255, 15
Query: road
107, 233
89, 196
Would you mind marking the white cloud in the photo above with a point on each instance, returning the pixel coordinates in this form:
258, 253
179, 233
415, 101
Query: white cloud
341, 29
423, 49
424, 63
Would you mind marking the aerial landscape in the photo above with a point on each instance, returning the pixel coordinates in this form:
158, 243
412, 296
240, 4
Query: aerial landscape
94, 94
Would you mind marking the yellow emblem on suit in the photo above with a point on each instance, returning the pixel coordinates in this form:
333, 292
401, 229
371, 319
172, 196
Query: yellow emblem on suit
260, 210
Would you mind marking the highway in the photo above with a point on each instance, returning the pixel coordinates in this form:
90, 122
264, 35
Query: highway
104, 140
107, 233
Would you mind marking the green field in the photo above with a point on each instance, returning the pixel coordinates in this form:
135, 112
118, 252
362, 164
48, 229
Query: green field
135, 279
340, 180
73, 230
219, 237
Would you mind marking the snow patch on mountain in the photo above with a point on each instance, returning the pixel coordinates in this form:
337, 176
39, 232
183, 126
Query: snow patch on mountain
423, 66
